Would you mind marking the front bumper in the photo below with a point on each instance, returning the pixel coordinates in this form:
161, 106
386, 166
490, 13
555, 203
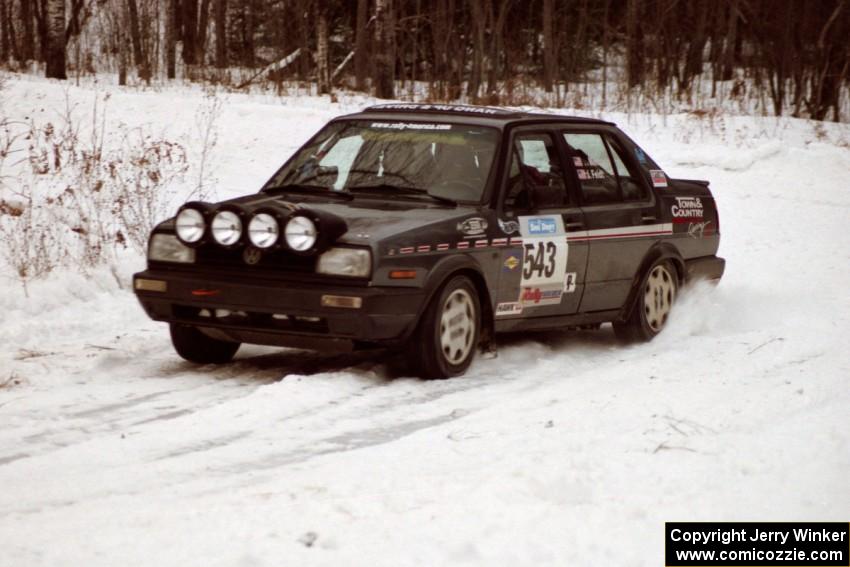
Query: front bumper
281, 313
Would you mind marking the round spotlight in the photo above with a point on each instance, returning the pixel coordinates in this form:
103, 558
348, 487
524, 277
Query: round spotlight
263, 230
300, 233
190, 225
226, 228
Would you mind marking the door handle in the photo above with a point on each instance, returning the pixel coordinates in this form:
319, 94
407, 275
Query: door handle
647, 219
574, 225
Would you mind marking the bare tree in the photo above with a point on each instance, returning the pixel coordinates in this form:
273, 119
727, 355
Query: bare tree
171, 38
323, 79
55, 48
221, 33
384, 57
361, 56
550, 50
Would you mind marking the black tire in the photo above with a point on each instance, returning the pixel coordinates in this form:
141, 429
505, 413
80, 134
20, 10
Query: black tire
444, 345
194, 346
655, 298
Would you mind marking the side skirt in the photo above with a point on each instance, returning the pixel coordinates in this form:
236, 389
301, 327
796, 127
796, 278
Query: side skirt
555, 322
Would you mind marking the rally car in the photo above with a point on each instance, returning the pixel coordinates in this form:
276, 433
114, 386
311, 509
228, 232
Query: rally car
430, 229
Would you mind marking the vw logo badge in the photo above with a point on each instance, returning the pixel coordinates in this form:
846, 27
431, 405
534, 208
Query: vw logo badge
252, 256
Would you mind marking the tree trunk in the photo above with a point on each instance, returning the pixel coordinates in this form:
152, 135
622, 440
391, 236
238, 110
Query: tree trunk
4, 32
634, 38
322, 72
384, 58
170, 38
550, 53
731, 42
190, 28
139, 58
479, 28
201, 36
361, 42
221, 33
28, 40
55, 48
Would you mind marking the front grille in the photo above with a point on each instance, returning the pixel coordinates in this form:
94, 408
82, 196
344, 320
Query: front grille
270, 261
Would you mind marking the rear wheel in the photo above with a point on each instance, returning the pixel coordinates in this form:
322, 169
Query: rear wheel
194, 346
654, 303
445, 341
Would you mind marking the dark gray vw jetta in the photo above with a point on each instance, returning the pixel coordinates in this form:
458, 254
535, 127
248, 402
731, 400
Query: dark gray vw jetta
431, 228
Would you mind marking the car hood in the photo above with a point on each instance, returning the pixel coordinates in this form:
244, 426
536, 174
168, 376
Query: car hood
369, 220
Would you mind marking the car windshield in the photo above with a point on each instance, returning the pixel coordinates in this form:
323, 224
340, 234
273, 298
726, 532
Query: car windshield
395, 159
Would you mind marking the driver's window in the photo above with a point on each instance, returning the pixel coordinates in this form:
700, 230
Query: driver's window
535, 167
339, 158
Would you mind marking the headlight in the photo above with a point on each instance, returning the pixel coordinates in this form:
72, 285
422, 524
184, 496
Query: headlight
189, 225
354, 262
167, 248
263, 230
300, 233
226, 228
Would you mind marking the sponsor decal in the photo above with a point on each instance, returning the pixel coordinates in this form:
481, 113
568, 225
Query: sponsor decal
441, 108
510, 308
442, 247
659, 178
425, 248
481, 243
540, 226
535, 296
570, 282
509, 227
462, 245
499, 242
687, 209
407, 250
252, 256
472, 226
697, 229
544, 260
511, 262
409, 126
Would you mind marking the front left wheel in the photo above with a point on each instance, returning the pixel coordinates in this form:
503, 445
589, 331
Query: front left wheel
194, 346
447, 337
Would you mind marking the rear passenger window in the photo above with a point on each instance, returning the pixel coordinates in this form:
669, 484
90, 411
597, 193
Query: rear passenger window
601, 170
596, 173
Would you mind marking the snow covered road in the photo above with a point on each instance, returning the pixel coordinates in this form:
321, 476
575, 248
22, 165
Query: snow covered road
567, 449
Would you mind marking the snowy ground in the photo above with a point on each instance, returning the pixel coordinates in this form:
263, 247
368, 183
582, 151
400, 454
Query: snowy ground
567, 449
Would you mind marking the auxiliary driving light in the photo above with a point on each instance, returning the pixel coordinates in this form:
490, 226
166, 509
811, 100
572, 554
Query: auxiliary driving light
263, 230
300, 233
226, 228
189, 225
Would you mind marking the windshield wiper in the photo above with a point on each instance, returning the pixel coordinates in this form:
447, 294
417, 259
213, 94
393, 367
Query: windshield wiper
403, 190
315, 189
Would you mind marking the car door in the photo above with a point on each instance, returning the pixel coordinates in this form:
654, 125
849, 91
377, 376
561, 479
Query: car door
620, 211
542, 272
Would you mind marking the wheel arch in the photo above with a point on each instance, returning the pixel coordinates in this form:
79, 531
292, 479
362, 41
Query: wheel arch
659, 251
455, 266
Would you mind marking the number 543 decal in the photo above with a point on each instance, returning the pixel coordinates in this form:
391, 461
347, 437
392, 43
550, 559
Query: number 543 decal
544, 261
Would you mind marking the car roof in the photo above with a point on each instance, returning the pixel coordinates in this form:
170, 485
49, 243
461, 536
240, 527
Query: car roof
468, 114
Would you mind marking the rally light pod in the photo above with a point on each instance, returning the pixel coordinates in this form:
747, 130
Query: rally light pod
191, 223
323, 227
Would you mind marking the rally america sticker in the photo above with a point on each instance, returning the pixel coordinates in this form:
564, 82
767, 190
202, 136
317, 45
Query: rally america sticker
544, 262
659, 178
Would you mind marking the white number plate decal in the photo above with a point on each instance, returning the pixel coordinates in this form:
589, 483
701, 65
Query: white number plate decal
544, 260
